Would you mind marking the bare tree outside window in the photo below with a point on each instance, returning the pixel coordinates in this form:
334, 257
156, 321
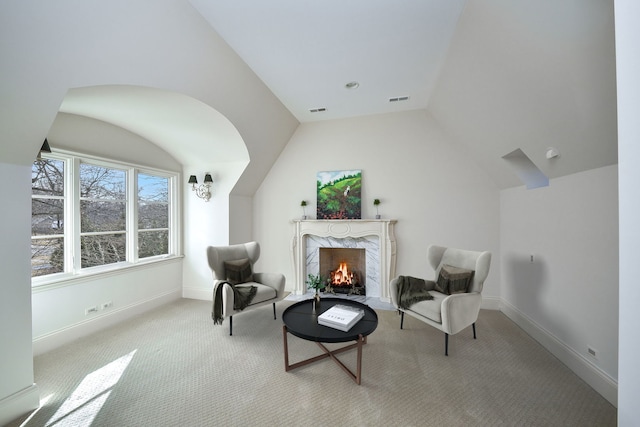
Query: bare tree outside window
153, 215
47, 217
98, 222
103, 215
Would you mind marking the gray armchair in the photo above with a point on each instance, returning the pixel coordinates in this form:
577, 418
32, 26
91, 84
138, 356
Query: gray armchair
269, 286
448, 313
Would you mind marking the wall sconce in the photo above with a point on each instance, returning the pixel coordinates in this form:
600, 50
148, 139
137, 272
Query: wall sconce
203, 190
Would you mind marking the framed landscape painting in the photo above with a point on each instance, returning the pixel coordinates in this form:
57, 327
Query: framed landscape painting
339, 194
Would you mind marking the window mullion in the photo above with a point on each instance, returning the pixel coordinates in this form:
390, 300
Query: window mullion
132, 215
74, 253
174, 216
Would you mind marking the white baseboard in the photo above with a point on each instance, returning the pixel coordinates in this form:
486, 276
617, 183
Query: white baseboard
18, 404
491, 303
57, 338
591, 374
197, 293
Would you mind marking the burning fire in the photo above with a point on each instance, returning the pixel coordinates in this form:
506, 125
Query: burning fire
342, 276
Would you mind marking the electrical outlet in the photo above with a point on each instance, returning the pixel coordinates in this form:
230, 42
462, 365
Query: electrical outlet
592, 352
89, 310
107, 304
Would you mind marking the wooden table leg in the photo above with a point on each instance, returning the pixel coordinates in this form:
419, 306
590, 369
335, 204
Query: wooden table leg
356, 377
359, 366
286, 348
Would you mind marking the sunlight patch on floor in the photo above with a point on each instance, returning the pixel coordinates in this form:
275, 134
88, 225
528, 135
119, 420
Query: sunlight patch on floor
81, 408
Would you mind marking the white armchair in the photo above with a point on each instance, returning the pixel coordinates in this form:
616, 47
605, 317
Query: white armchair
269, 286
449, 313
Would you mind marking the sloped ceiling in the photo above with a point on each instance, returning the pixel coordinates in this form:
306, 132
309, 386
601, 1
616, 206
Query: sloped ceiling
531, 75
499, 75
306, 52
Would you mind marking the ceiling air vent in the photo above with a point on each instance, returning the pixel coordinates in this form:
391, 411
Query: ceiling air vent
398, 98
318, 110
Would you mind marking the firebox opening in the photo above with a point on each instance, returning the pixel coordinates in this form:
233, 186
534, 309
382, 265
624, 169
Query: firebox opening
345, 268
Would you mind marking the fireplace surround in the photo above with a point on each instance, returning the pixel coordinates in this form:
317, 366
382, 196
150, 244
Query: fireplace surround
375, 235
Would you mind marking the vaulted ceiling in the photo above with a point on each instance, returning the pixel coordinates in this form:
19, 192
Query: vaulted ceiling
499, 75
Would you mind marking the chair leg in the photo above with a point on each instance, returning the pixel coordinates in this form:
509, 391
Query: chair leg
274, 311
401, 319
230, 325
474, 330
446, 344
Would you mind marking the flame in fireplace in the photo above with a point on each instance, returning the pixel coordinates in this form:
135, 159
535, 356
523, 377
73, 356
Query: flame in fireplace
342, 276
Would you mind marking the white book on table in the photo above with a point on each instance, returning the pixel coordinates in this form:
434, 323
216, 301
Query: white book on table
341, 317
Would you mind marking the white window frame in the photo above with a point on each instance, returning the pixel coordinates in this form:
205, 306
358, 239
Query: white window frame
72, 265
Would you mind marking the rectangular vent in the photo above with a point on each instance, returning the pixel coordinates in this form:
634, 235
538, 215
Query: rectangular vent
398, 98
318, 110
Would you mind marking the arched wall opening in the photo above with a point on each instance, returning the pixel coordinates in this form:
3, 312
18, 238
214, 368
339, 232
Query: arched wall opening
155, 128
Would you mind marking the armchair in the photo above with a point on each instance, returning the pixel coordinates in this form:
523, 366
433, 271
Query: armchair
448, 313
269, 286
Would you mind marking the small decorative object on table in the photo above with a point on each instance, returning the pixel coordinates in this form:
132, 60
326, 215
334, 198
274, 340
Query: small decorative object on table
317, 283
376, 202
341, 317
304, 211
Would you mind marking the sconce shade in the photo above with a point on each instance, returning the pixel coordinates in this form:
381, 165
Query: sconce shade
45, 146
204, 190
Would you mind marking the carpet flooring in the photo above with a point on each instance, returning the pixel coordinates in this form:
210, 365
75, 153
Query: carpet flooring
173, 367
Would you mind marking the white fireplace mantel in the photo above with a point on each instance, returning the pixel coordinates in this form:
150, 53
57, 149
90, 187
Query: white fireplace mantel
342, 229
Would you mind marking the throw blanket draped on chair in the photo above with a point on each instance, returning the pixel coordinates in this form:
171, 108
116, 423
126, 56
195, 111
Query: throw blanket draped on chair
242, 297
412, 290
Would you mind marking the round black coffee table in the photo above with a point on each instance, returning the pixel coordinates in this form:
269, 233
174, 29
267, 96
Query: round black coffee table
301, 320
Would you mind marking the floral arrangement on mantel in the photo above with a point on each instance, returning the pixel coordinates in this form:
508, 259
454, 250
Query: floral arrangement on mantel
304, 211
376, 202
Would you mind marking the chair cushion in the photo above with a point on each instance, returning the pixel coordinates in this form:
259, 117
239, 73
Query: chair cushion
431, 309
453, 280
238, 271
264, 292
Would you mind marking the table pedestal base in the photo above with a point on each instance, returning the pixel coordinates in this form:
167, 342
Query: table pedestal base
357, 377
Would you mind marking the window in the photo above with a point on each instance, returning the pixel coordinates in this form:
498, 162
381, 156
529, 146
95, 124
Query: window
103, 215
84, 218
47, 217
153, 215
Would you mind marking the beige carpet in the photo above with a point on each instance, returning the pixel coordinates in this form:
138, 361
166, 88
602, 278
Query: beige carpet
173, 367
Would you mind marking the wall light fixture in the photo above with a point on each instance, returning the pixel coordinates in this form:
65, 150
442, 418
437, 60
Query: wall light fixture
203, 190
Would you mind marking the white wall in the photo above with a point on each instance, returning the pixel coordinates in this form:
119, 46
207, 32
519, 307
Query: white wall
628, 70
59, 312
207, 224
567, 298
435, 191
17, 391
240, 223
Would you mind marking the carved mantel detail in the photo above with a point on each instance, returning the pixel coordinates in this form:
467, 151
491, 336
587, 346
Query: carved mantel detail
341, 229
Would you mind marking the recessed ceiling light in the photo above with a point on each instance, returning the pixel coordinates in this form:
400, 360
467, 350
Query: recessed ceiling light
352, 85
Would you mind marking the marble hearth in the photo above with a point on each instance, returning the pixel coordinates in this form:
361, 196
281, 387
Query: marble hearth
375, 236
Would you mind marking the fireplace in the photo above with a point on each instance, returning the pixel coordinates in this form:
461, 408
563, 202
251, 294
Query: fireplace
376, 237
345, 270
